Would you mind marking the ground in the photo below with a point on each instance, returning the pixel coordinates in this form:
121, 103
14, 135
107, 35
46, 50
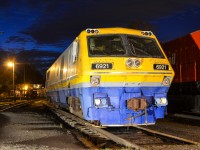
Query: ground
24, 128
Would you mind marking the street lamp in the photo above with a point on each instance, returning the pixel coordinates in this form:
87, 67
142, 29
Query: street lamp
12, 64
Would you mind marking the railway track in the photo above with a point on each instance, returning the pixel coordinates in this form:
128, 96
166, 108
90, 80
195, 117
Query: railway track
152, 139
167, 136
134, 137
9, 105
97, 134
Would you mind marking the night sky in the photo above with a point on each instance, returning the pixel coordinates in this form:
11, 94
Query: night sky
39, 30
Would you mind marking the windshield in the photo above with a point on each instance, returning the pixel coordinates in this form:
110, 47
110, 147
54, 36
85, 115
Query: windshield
106, 45
144, 47
123, 45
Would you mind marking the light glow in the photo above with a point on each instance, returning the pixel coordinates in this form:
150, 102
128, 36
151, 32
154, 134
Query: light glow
161, 101
26, 87
10, 64
97, 102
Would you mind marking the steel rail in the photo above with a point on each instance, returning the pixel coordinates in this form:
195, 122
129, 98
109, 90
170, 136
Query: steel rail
117, 139
88, 128
15, 105
79, 124
167, 135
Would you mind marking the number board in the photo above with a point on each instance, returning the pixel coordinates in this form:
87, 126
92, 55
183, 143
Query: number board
160, 67
102, 66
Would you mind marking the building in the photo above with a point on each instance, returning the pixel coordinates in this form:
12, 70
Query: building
30, 91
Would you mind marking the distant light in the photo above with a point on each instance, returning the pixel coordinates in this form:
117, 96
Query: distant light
65, 70
10, 64
26, 87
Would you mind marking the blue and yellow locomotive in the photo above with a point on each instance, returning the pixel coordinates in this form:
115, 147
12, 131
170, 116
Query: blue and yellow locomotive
113, 77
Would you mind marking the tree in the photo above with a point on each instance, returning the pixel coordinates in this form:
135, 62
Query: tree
5, 79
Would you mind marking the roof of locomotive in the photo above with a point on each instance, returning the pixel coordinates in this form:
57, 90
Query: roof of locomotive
115, 30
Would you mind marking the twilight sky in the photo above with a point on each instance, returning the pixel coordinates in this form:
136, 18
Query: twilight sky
50, 25
53, 24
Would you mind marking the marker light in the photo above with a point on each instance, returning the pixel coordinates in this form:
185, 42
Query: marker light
95, 80
92, 31
96, 31
133, 62
147, 33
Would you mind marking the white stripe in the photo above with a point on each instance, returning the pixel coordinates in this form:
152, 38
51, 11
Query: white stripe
114, 84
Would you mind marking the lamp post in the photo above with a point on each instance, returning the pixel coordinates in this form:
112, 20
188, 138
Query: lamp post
12, 64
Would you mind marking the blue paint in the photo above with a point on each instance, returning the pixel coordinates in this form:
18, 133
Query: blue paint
116, 113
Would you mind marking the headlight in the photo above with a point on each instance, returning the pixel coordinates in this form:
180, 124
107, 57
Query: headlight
101, 102
104, 101
137, 63
133, 62
166, 81
95, 80
97, 102
161, 101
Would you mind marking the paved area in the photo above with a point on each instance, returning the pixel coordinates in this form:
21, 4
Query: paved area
25, 128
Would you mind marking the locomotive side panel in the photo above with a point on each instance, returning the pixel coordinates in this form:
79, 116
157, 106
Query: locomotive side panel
59, 76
